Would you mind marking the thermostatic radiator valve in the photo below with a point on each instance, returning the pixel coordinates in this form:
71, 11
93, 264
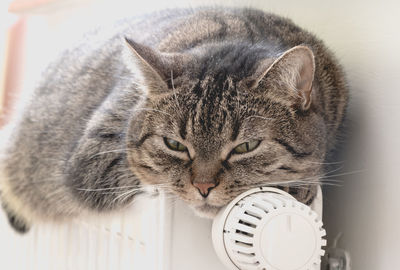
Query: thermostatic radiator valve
268, 229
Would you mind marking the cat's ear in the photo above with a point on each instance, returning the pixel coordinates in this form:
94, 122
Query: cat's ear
291, 76
155, 69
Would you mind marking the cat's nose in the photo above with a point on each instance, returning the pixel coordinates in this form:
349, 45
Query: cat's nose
204, 188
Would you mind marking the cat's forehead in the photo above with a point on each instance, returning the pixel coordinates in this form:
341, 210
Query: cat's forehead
230, 59
212, 106
213, 113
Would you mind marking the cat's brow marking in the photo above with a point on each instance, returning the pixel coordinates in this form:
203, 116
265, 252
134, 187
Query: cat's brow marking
143, 139
291, 150
258, 116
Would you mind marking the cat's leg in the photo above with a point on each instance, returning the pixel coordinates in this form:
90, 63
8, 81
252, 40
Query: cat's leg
98, 170
31, 189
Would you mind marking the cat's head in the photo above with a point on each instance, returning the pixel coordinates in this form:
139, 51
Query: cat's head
221, 119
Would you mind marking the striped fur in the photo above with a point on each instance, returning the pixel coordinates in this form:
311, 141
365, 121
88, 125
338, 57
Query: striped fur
210, 79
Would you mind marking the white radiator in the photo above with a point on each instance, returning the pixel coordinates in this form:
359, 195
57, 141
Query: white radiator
153, 234
135, 238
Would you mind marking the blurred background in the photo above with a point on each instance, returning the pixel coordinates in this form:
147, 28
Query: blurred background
361, 211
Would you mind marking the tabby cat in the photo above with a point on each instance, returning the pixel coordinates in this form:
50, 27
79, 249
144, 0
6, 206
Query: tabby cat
200, 103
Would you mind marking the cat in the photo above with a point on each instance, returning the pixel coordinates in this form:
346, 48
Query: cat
201, 103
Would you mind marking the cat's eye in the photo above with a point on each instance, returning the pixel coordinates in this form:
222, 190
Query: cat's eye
174, 145
246, 147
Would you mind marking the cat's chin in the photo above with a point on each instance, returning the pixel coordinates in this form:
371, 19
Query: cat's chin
206, 210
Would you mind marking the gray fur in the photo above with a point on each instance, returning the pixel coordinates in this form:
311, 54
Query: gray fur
91, 136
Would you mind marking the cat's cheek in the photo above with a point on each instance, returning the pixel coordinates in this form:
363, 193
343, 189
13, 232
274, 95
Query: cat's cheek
146, 177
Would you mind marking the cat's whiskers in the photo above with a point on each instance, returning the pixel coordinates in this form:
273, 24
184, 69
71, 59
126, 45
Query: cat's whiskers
123, 188
333, 170
124, 195
102, 189
154, 110
178, 107
324, 179
258, 116
110, 151
329, 174
327, 163
343, 174
292, 183
173, 88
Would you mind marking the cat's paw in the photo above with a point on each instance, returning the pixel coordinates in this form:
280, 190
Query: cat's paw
17, 222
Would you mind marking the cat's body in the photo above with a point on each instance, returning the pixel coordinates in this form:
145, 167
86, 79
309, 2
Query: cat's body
99, 125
